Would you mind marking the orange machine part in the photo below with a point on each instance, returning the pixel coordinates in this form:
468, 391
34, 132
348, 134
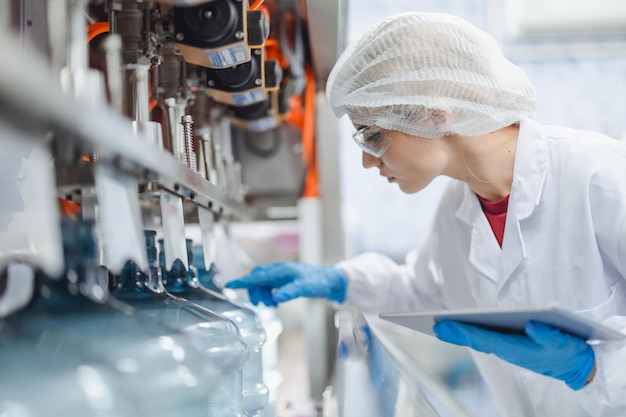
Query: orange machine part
69, 209
311, 182
255, 4
97, 29
302, 116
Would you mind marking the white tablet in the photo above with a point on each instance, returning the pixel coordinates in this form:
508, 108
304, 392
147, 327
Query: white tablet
507, 320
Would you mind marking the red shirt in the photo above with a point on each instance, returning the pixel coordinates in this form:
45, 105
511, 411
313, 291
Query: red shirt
496, 215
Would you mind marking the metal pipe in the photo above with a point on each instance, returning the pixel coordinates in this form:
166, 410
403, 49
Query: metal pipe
207, 146
222, 176
77, 42
239, 191
136, 103
175, 112
201, 159
113, 56
57, 33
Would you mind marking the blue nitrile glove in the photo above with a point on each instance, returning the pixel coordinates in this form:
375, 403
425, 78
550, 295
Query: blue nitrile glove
282, 281
544, 349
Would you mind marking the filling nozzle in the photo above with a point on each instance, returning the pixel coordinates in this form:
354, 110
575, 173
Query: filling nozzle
113, 57
77, 42
231, 168
209, 157
175, 112
136, 101
86, 84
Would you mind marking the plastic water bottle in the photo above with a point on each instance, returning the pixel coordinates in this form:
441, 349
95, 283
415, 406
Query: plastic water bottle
255, 392
263, 371
64, 384
216, 336
155, 368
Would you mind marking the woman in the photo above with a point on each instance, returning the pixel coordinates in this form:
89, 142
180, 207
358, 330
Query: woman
536, 215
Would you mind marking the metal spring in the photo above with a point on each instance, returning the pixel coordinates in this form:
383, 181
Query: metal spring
190, 155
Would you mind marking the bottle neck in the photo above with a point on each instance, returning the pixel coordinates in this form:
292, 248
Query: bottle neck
205, 277
60, 294
83, 272
134, 282
179, 279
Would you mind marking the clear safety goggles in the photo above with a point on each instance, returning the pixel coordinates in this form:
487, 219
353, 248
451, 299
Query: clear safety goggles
372, 140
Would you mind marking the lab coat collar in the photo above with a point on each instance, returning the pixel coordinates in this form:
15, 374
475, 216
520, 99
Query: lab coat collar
529, 172
529, 175
484, 252
528, 179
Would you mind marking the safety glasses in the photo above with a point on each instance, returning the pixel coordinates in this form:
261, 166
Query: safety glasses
372, 140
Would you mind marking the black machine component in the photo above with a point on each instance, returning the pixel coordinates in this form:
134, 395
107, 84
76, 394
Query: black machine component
219, 33
258, 117
273, 74
247, 83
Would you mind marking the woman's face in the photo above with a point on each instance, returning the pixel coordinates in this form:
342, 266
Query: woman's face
412, 162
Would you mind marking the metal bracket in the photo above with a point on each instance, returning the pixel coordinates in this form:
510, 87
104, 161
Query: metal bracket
29, 215
120, 215
173, 223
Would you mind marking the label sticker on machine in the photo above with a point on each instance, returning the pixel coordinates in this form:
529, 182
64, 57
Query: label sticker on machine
249, 97
228, 57
263, 124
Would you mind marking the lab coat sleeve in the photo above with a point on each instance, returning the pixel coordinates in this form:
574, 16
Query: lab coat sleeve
377, 284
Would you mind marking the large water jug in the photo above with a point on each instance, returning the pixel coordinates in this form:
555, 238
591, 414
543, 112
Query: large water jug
39, 379
158, 368
212, 278
216, 336
255, 392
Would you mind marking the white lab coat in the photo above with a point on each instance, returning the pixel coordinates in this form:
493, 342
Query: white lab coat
564, 242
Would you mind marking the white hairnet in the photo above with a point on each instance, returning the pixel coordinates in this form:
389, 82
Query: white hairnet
429, 75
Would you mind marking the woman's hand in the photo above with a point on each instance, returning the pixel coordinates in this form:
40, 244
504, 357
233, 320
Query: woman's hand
278, 282
543, 349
